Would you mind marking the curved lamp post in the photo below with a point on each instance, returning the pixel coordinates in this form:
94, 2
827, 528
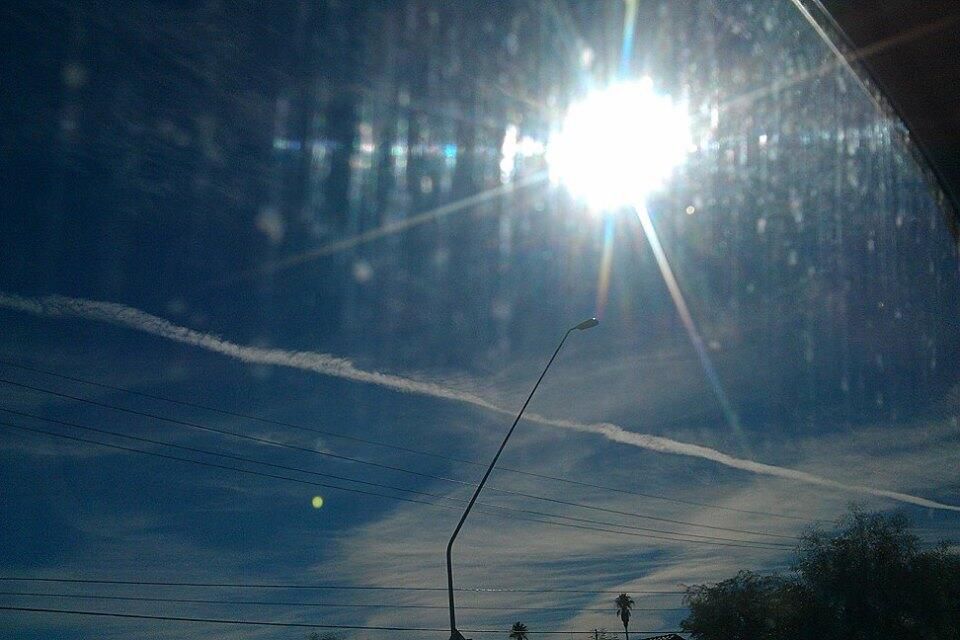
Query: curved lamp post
454, 633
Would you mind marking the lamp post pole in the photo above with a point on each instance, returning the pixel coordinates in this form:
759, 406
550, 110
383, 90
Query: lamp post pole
454, 633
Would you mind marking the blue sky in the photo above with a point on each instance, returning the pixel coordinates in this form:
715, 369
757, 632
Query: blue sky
178, 228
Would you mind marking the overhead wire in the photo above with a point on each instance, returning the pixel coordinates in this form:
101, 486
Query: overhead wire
348, 605
284, 445
312, 587
271, 623
493, 509
395, 447
367, 482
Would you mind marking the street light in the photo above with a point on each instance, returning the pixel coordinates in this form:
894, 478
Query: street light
454, 633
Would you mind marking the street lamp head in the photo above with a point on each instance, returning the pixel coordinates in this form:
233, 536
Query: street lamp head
587, 324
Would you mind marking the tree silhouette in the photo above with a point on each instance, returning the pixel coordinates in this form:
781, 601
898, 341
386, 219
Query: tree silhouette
869, 580
518, 631
624, 605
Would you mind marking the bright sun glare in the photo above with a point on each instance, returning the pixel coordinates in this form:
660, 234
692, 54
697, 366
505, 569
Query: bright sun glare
618, 145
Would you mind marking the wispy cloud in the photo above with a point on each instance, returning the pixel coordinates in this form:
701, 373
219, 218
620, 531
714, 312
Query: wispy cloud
55, 306
406, 544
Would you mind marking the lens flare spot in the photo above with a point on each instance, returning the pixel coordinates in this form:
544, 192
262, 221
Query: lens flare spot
317, 502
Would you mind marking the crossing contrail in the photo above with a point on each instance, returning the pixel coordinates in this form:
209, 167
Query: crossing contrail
56, 306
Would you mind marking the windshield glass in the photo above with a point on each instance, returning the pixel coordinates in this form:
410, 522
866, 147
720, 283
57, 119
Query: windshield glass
276, 279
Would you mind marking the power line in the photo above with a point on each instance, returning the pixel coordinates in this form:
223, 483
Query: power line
387, 486
333, 434
488, 507
375, 484
284, 445
262, 603
232, 434
266, 623
214, 453
312, 587
211, 464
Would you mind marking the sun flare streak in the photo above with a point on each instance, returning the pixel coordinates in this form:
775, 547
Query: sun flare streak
686, 318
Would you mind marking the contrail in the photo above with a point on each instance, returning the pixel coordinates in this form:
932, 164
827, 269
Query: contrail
56, 306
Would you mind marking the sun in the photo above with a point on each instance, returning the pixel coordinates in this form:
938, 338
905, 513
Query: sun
618, 145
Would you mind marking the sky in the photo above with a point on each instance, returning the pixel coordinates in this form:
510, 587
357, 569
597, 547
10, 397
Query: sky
260, 254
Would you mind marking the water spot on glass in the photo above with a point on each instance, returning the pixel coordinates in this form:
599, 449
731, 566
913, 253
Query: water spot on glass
261, 371
362, 271
68, 122
690, 210
441, 257
512, 43
74, 75
270, 223
853, 144
853, 178
176, 307
501, 309
586, 57
761, 225
841, 83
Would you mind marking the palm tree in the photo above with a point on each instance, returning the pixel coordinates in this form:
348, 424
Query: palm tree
624, 604
518, 631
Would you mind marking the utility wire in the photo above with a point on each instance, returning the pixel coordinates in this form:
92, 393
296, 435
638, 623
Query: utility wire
385, 486
333, 434
283, 445
270, 603
381, 495
265, 623
312, 587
